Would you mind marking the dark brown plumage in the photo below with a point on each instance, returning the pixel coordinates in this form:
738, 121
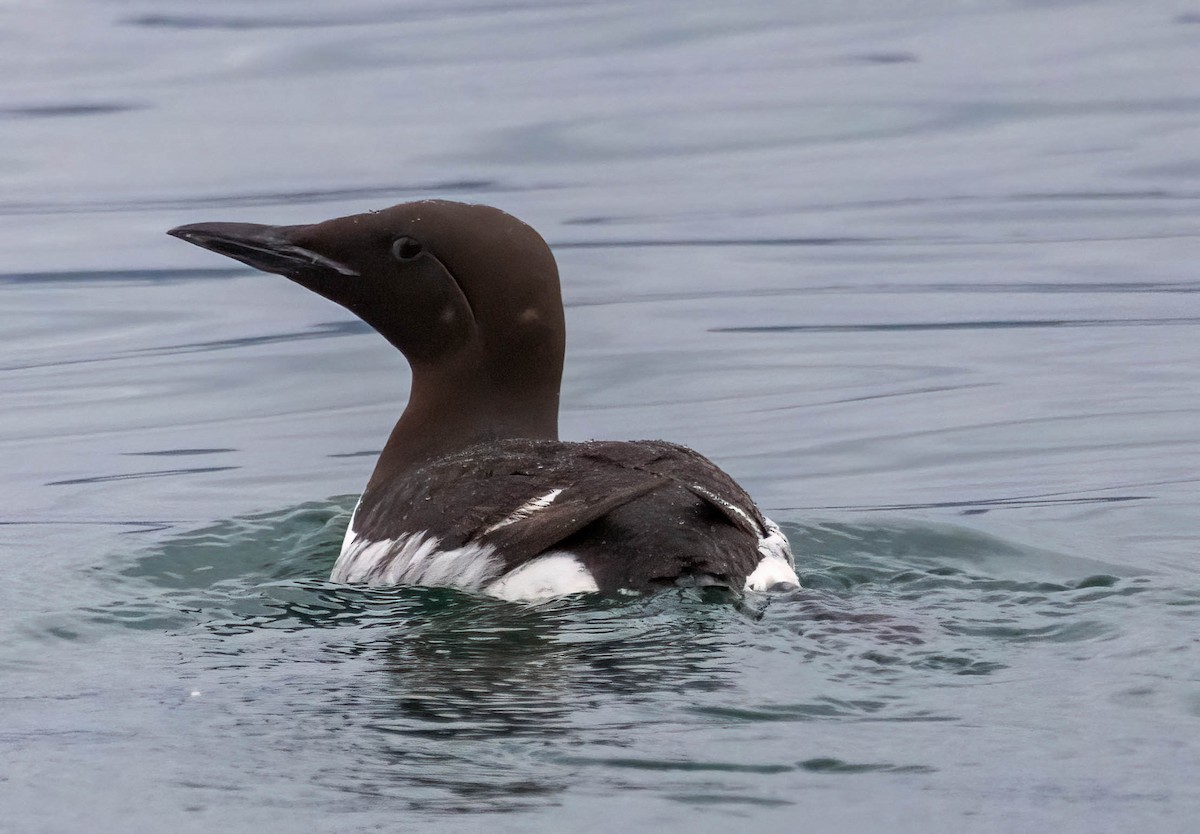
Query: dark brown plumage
470, 296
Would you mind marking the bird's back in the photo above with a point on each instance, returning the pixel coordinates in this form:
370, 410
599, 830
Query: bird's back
619, 515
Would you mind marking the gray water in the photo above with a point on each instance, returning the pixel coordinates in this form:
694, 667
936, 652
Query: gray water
922, 275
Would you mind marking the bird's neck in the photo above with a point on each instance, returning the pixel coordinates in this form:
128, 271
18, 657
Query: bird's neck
451, 408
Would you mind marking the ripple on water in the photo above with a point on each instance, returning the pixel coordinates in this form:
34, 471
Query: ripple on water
919, 596
444, 701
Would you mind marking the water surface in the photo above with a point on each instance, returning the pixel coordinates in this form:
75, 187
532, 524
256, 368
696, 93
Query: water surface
920, 275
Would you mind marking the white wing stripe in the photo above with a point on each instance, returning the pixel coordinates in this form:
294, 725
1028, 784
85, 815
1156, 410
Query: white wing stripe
525, 510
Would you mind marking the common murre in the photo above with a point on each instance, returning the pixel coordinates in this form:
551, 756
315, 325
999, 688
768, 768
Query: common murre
473, 488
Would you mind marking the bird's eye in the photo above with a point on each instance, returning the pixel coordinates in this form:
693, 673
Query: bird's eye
405, 249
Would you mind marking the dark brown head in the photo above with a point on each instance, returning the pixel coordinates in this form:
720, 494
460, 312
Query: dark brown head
468, 294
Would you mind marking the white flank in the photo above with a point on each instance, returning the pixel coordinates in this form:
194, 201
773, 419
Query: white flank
553, 574
416, 560
777, 566
526, 510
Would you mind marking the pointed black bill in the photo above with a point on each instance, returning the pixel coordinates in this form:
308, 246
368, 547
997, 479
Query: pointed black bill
263, 247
